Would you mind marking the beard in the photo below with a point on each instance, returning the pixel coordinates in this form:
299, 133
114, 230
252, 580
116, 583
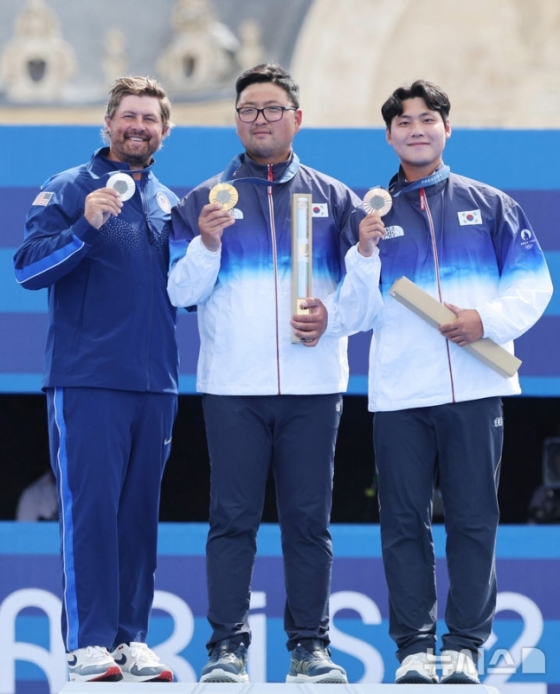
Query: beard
132, 152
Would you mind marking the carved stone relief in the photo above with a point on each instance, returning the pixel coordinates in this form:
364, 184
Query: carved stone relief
115, 59
37, 63
202, 51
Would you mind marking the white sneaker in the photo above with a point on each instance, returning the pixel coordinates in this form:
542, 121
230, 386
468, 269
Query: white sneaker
92, 664
417, 668
458, 667
139, 663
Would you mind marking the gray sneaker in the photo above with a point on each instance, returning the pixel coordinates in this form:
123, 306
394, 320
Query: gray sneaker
226, 663
314, 664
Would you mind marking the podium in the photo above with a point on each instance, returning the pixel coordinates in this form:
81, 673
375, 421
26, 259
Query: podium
267, 688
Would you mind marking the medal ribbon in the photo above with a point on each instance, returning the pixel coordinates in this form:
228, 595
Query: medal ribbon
436, 177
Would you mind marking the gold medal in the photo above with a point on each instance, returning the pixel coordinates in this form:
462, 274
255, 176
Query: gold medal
377, 200
225, 194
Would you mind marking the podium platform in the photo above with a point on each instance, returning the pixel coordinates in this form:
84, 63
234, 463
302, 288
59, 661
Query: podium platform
267, 688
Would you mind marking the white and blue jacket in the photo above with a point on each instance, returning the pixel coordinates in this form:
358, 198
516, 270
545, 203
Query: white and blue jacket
110, 324
243, 291
465, 243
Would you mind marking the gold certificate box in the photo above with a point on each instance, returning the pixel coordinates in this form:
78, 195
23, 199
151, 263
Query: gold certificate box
432, 311
302, 255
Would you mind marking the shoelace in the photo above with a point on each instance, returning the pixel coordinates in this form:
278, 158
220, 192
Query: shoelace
91, 650
143, 652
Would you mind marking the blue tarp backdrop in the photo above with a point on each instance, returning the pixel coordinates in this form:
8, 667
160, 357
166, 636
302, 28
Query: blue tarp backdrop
518, 162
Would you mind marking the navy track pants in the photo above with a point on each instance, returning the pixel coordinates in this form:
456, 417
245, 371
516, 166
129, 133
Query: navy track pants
108, 451
462, 442
247, 435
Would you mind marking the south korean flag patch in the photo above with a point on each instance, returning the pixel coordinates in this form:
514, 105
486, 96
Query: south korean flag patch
471, 217
319, 209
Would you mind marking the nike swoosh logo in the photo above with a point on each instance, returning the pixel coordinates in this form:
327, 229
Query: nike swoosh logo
167, 441
72, 661
121, 660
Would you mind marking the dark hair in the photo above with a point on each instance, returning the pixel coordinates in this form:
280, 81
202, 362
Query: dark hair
138, 86
268, 72
436, 100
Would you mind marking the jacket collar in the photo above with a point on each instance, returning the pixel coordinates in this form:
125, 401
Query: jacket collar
100, 165
399, 185
243, 168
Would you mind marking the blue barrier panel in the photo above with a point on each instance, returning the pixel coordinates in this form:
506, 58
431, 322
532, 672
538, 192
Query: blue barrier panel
522, 650
516, 161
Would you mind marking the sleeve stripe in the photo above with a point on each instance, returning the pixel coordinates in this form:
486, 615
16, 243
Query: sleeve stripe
51, 261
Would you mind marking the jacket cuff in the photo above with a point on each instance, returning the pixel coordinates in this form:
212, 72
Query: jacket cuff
354, 258
198, 247
492, 324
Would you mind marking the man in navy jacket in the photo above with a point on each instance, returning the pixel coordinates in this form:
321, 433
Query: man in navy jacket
269, 403
97, 237
438, 410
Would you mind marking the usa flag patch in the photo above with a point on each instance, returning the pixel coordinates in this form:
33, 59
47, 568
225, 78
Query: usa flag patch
471, 217
43, 199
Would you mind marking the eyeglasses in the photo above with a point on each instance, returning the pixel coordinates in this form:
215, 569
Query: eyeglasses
249, 114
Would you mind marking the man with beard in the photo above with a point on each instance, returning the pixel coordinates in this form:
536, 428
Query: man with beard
96, 236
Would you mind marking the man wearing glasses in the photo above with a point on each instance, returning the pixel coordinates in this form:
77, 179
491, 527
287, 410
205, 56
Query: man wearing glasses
269, 402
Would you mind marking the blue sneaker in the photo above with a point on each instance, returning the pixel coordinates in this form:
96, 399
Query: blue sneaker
226, 663
315, 665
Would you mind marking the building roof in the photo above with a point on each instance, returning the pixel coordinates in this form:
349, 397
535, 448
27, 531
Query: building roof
134, 35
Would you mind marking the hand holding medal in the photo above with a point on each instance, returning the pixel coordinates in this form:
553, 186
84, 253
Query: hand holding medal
225, 194
377, 200
101, 204
372, 229
212, 222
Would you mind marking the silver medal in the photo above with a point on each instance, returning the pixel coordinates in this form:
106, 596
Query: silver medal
123, 184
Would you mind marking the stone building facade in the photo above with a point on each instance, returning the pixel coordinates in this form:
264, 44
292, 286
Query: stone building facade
496, 58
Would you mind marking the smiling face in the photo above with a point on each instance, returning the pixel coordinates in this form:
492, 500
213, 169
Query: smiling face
264, 142
418, 137
136, 130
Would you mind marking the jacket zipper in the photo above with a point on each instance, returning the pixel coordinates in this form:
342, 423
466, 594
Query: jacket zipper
151, 240
426, 208
270, 177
